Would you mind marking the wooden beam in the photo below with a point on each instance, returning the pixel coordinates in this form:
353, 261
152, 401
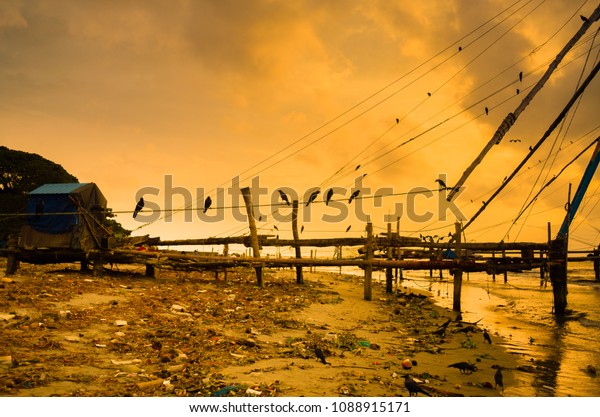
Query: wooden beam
253, 234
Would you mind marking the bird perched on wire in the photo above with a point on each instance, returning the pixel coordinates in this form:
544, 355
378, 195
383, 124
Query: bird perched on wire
321, 356
412, 387
486, 336
585, 19
498, 379
207, 204
442, 184
313, 196
348, 228
284, 197
464, 367
328, 197
138, 207
487, 111
353, 196
521, 76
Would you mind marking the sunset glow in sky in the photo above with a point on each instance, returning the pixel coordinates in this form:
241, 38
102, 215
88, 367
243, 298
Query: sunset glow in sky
154, 95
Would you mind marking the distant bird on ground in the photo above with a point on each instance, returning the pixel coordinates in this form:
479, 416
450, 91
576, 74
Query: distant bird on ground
441, 330
499, 379
465, 330
321, 356
464, 367
39, 208
353, 196
521, 76
458, 317
284, 197
329, 195
585, 19
312, 197
207, 203
348, 228
442, 184
487, 111
413, 387
139, 206
486, 336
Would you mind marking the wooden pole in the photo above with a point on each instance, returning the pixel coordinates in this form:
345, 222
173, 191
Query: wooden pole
296, 235
369, 266
389, 276
457, 271
12, 262
504, 261
253, 234
597, 264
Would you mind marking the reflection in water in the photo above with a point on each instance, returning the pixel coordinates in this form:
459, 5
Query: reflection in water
553, 355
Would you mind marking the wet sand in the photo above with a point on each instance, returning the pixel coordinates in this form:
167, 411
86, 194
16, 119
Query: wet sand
187, 334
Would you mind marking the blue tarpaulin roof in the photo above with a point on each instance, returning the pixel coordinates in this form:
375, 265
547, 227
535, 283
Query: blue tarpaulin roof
58, 188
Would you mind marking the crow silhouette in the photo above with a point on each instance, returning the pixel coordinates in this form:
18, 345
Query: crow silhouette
138, 207
412, 387
464, 367
284, 197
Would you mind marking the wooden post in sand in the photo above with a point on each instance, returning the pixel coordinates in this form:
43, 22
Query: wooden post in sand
457, 271
597, 263
389, 276
369, 264
12, 263
253, 234
296, 235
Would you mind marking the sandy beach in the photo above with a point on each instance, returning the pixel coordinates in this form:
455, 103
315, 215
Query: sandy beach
67, 333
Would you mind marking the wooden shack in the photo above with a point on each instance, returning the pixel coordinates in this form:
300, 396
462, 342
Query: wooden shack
68, 216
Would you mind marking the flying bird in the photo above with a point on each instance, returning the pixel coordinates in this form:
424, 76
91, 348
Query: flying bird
312, 197
487, 111
138, 207
521, 76
329, 195
486, 336
348, 228
284, 197
207, 204
321, 356
412, 387
498, 379
353, 196
515, 140
464, 367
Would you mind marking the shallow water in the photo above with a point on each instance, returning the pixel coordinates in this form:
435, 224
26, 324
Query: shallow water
557, 353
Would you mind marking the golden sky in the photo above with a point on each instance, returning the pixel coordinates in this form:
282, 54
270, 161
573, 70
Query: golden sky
135, 94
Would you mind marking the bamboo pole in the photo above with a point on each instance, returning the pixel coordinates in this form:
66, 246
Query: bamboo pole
389, 284
369, 264
512, 117
457, 271
253, 234
297, 247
